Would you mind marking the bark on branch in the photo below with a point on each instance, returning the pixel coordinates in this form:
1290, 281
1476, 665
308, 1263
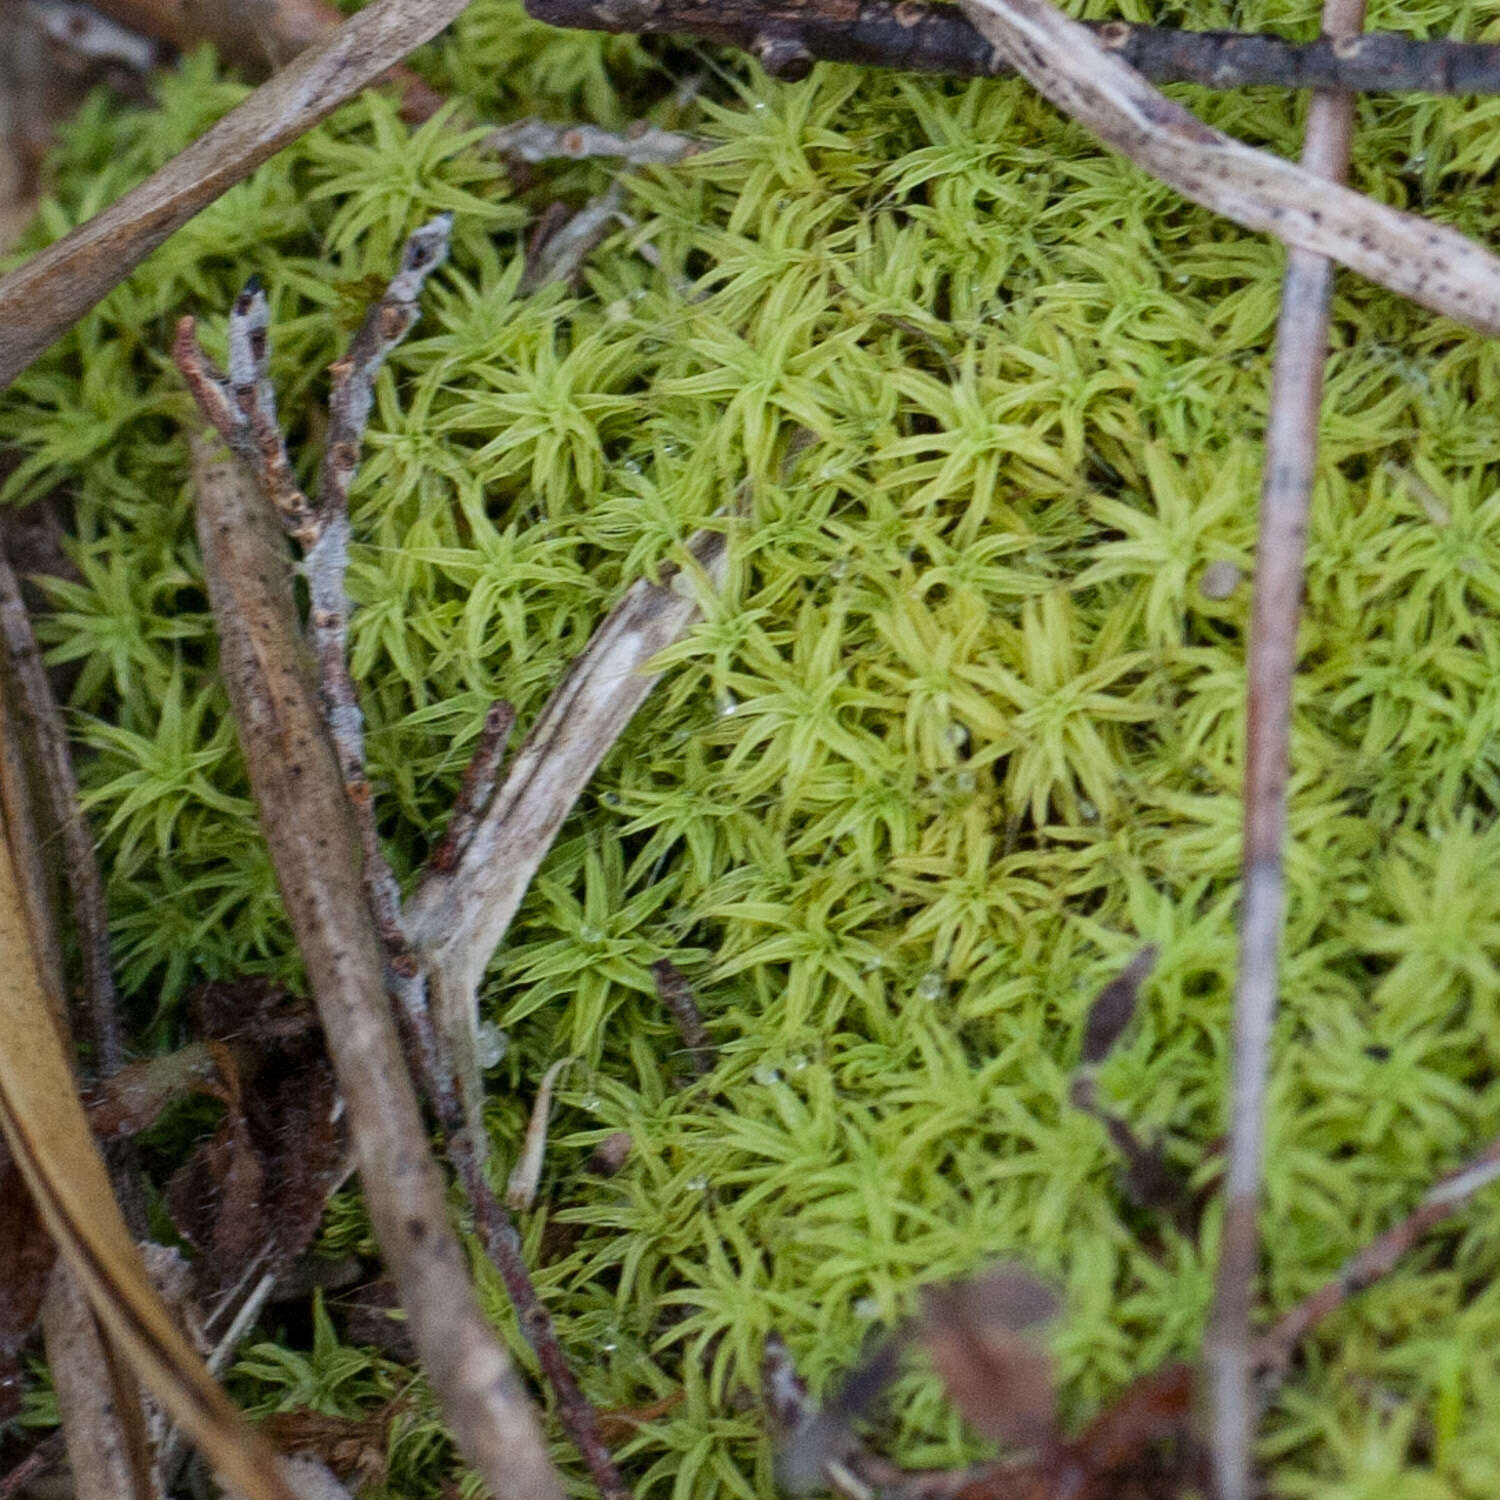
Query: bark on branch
919, 38
300, 791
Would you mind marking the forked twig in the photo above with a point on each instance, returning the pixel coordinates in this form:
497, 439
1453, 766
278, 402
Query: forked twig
242, 408
1431, 264
1285, 497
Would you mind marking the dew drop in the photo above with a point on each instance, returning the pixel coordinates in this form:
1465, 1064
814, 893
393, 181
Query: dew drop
932, 986
727, 705
490, 1044
766, 1075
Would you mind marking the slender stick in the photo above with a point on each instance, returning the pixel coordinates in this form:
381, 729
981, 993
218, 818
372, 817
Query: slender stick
299, 788
242, 408
1286, 491
789, 36
1427, 262
42, 299
481, 776
49, 1451
1272, 1353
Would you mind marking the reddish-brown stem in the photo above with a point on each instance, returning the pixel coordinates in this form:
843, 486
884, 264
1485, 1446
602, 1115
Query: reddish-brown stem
1272, 1352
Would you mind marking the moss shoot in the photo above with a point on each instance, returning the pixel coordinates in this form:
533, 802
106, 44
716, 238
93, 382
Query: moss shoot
964, 730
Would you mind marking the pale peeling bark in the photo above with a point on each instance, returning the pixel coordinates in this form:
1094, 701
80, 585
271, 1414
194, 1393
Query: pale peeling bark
457, 916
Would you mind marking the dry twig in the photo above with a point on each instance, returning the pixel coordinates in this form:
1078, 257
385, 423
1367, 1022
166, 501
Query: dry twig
789, 36
1433, 265
48, 755
1286, 493
42, 299
299, 788
1273, 1350
457, 917
242, 409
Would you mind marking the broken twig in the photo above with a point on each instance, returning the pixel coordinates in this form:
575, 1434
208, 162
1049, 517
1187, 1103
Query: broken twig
1431, 264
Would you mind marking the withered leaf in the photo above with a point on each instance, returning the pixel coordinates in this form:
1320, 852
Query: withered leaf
1114, 1008
259, 1187
976, 1335
353, 1447
26, 1257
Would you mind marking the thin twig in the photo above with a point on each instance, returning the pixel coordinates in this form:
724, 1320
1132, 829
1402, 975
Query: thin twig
480, 778
535, 141
564, 251
48, 1452
1286, 493
789, 36
49, 744
299, 788
520, 1188
1273, 1350
1431, 264
42, 299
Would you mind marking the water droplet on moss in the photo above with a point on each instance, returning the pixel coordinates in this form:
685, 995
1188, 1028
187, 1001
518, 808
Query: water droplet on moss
490, 1044
932, 986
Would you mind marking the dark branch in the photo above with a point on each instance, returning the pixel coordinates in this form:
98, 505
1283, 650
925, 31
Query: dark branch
789, 38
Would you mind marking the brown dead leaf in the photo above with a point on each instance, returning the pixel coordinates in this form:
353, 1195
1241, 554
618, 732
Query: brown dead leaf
620, 1423
257, 1190
976, 1335
355, 1448
26, 1257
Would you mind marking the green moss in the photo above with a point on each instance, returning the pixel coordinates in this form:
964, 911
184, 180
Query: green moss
963, 731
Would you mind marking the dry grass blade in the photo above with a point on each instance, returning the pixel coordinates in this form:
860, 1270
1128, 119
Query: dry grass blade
49, 1137
47, 752
299, 789
42, 299
1430, 263
1285, 498
457, 917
